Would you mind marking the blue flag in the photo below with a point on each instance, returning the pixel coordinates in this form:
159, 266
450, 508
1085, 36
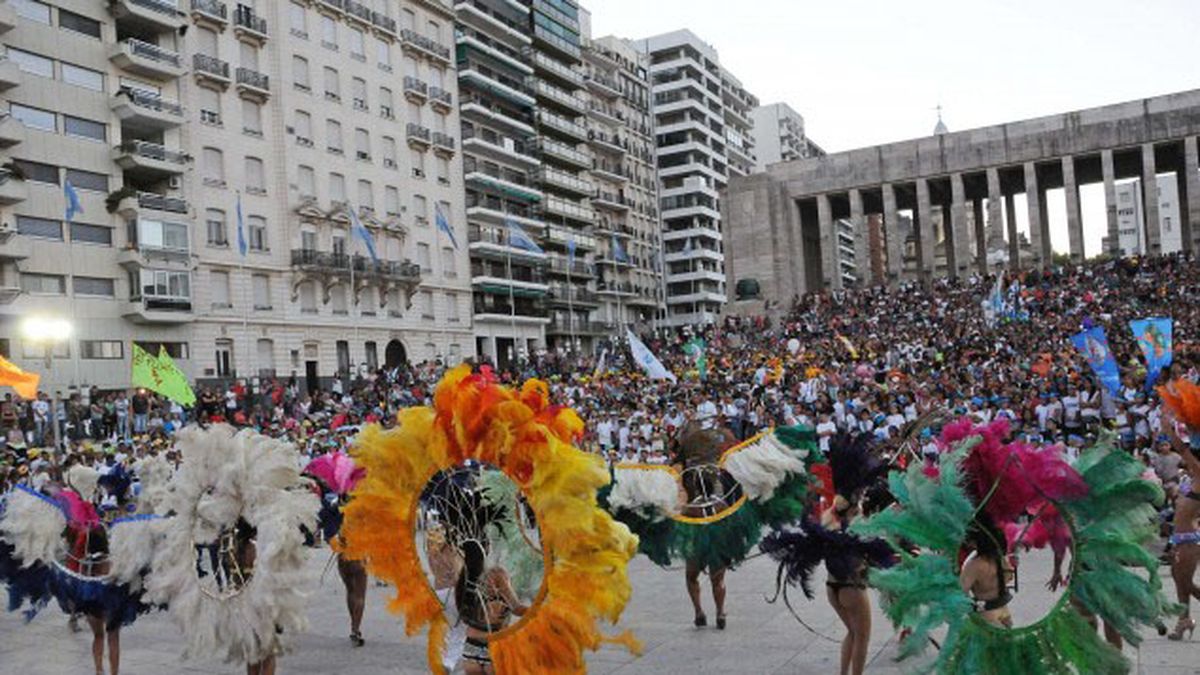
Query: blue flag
618, 251
444, 225
1155, 337
359, 230
571, 250
1093, 344
241, 227
519, 238
74, 208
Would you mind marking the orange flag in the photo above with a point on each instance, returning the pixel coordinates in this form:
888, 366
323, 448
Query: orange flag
26, 384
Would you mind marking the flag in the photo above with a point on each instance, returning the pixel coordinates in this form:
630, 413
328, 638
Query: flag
570, 252
1093, 345
1155, 337
74, 208
444, 225
359, 230
687, 244
848, 345
601, 364
25, 384
161, 376
518, 238
241, 227
695, 348
646, 359
618, 251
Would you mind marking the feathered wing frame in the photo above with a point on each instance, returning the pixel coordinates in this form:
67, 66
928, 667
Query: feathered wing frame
226, 476
522, 435
1112, 574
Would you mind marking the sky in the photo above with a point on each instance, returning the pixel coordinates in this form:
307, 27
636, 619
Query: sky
864, 72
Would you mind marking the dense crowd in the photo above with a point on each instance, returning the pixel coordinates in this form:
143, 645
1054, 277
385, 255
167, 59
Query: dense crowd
870, 360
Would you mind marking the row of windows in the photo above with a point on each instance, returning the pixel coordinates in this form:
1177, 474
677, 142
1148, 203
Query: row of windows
46, 228
98, 350
39, 172
45, 120
56, 284
309, 291
331, 82
329, 29
41, 12
43, 66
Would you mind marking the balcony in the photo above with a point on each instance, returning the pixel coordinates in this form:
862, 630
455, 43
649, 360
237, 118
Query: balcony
415, 90
556, 44
340, 265
570, 77
10, 73
210, 13
572, 131
565, 153
248, 26
359, 11
135, 204
611, 143
418, 136
443, 144
617, 288
477, 14
494, 243
580, 327
609, 172
481, 108
157, 310
13, 190
253, 85
507, 182
148, 161
440, 99
611, 202
498, 211
604, 86
12, 131
159, 16
566, 182
383, 22
14, 246
412, 41
338, 6
565, 101
577, 270
145, 59
145, 111
567, 295
211, 70
566, 237
502, 148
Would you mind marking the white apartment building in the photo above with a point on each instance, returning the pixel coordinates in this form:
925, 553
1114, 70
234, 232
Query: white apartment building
170, 119
703, 133
1131, 217
779, 136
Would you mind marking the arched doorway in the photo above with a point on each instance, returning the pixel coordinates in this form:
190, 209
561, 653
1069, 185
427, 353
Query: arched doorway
395, 354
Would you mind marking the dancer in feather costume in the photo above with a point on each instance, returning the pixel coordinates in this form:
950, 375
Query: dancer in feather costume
1182, 399
336, 475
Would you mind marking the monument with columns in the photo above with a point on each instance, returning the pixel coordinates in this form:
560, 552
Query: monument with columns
779, 225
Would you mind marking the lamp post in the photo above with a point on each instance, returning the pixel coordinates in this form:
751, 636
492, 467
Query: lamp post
48, 332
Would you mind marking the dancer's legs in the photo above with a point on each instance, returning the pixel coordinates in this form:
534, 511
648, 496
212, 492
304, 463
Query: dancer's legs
114, 651
692, 575
97, 626
848, 641
354, 577
717, 577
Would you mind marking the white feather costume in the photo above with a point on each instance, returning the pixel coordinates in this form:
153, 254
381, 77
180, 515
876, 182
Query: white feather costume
225, 476
33, 525
656, 491
763, 465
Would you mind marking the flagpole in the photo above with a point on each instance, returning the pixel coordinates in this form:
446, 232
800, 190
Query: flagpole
570, 309
251, 348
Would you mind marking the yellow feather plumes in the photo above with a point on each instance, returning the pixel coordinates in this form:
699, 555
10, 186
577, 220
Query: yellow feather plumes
1183, 398
531, 441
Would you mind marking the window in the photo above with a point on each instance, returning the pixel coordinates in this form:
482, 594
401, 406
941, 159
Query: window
358, 90
308, 240
420, 209
366, 196
308, 297
328, 32
96, 286
265, 351
82, 233
358, 47
252, 118
337, 188
33, 10
31, 63
338, 242
454, 355
300, 73
299, 19
417, 158
333, 90
391, 200
218, 283
164, 285
206, 42
452, 308
303, 129
212, 166
37, 350
37, 171
82, 128
435, 31
408, 19
443, 171
389, 152
175, 350
261, 284
34, 118
411, 68
333, 136
210, 105
87, 180
101, 349
386, 104
449, 263
256, 179
306, 180
426, 304
423, 257
383, 54
42, 228
224, 357
436, 77
257, 226
362, 144
372, 351
343, 357
366, 301
337, 300
248, 55
214, 224
43, 284
155, 234
79, 24
82, 77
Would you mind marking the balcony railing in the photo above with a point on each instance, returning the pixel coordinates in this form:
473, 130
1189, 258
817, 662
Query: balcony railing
152, 52
383, 21
439, 96
150, 101
150, 200
161, 6
427, 45
211, 65
246, 18
415, 86
443, 141
566, 293
343, 264
211, 8
564, 327
359, 10
418, 133
253, 78
577, 269
152, 151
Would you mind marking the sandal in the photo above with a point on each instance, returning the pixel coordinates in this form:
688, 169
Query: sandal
720, 622
356, 639
701, 621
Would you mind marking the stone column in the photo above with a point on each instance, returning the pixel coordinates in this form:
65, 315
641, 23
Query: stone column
1150, 201
862, 241
1191, 179
891, 225
1074, 217
961, 238
1014, 236
925, 235
1110, 200
995, 219
791, 253
831, 268
1034, 197
980, 230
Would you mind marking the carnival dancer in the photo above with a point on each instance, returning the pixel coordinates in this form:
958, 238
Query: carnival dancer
337, 475
1182, 399
986, 573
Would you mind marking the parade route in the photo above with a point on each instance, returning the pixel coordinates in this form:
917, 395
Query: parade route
760, 638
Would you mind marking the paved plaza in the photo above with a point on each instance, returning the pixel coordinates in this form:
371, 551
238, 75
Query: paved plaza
760, 638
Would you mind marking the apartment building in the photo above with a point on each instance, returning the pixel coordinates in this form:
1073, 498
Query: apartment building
779, 136
703, 136
625, 197
224, 156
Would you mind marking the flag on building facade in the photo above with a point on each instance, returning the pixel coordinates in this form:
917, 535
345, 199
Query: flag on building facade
1155, 337
241, 228
618, 251
444, 225
74, 208
519, 238
570, 251
646, 359
359, 230
161, 375
1093, 345
25, 384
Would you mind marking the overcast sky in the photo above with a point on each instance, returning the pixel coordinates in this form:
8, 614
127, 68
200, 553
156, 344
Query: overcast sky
864, 72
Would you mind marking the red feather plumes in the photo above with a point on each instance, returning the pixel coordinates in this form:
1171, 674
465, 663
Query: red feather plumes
1183, 398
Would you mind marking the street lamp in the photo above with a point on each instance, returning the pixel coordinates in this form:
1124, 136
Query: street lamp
48, 332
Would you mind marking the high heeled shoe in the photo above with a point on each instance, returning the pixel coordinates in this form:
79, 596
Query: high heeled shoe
701, 621
720, 622
1184, 624
356, 639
